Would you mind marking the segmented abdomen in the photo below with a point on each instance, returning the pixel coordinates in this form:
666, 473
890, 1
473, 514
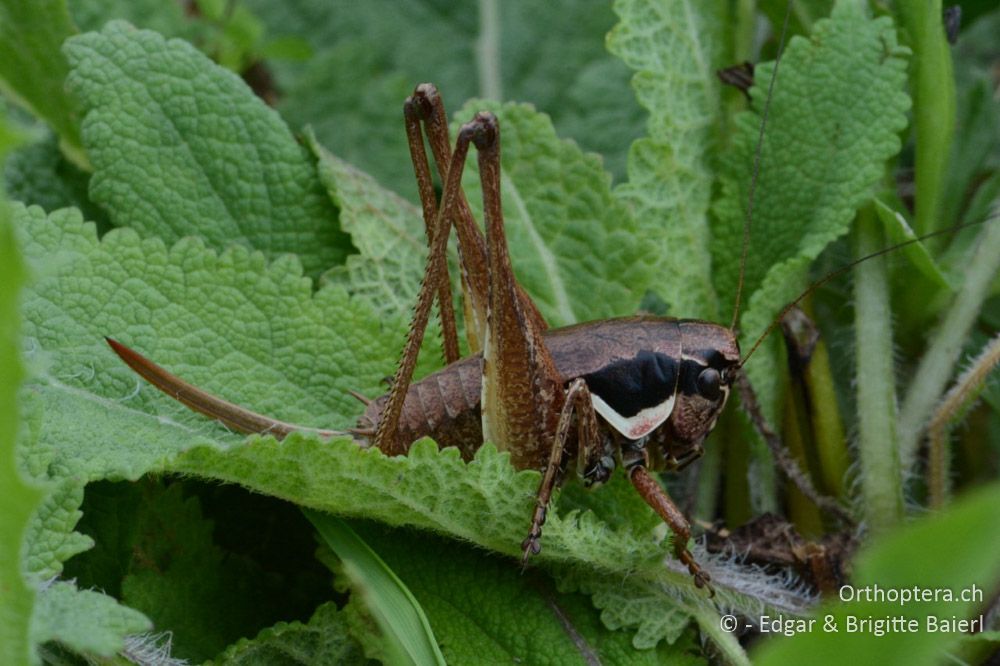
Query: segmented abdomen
443, 406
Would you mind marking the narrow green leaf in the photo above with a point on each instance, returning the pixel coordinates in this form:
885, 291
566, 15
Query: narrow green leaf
674, 49
32, 69
933, 84
182, 147
945, 344
488, 609
899, 231
397, 612
485, 502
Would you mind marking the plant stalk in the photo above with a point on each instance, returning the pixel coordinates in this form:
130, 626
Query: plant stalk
881, 481
933, 86
938, 364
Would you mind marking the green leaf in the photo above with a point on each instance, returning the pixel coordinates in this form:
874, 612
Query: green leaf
231, 323
186, 583
817, 166
322, 640
486, 502
674, 50
633, 604
182, 147
408, 634
898, 230
85, 621
388, 232
39, 174
485, 609
32, 70
20, 498
575, 248
892, 564
51, 540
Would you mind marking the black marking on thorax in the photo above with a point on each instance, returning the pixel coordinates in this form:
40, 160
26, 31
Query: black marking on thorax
630, 385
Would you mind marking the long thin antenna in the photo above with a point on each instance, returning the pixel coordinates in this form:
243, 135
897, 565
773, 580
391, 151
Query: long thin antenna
843, 269
756, 168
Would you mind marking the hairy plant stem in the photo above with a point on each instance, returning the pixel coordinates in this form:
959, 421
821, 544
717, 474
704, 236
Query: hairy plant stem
730, 650
938, 364
933, 87
878, 452
951, 408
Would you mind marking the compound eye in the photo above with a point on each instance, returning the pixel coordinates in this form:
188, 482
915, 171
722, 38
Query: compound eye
708, 384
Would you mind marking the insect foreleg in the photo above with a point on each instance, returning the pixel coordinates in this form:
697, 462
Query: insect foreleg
656, 497
577, 404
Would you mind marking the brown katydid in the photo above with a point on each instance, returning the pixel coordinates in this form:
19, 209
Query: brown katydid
640, 392
643, 392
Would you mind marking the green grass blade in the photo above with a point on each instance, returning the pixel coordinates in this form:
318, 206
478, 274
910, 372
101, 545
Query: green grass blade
397, 612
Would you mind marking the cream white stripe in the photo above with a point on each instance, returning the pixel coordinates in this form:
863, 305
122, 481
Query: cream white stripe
639, 425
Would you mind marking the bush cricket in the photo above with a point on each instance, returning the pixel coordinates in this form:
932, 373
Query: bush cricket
638, 392
642, 391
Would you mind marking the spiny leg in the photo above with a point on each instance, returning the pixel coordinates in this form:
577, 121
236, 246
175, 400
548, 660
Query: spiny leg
428, 200
471, 242
429, 107
578, 403
386, 438
656, 497
523, 391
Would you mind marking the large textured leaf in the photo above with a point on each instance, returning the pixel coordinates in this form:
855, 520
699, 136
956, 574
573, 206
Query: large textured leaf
819, 161
32, 69
182, 147
368, 54
239, 327
575, 248
674, 49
